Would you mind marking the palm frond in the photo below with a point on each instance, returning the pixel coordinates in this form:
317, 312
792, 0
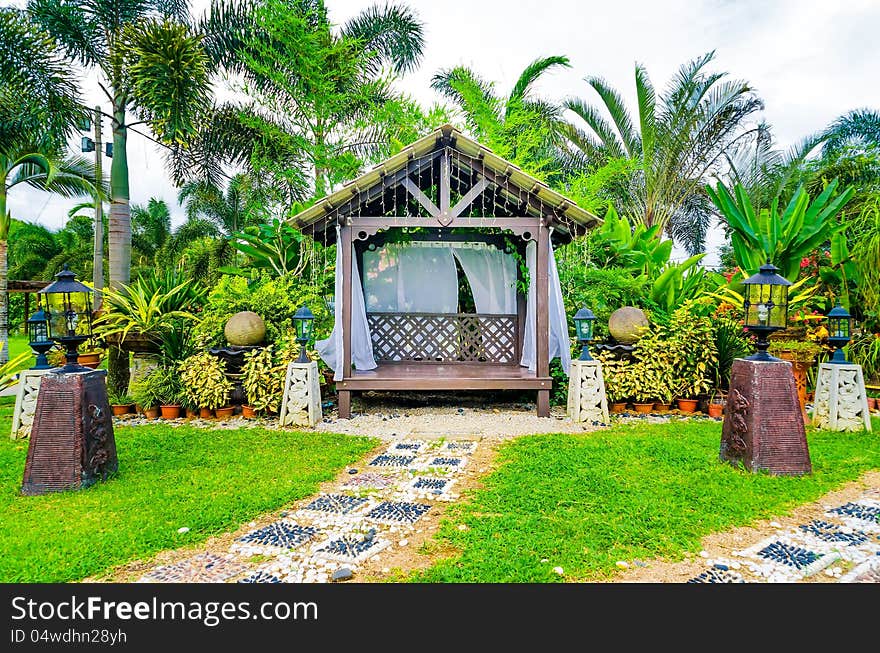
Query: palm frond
613, 102
391, 34
608, 138
168, 77
78, 30
860, 127
532, 73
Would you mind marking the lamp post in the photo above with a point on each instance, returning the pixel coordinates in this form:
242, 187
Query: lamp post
765, 304
70, 315
303, 321
583, 326
763, 428
38, 332
71, 442
839, 332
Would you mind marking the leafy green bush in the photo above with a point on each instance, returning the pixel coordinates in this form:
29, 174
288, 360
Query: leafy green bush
273, 299
204, 381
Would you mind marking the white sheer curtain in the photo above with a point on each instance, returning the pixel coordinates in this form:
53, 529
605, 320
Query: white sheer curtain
559, 343
330, 349
416, 277
491, 274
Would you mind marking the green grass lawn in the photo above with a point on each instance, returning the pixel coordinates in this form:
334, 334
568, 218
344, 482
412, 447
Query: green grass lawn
583, 502
210, 481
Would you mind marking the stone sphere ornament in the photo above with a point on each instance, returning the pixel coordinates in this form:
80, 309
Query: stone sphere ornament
627, 324
245, 329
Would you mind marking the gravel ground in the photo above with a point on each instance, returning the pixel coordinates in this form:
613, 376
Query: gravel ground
475, 415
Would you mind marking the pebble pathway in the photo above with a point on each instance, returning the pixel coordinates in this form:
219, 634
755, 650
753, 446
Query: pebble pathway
847, 537
334, 533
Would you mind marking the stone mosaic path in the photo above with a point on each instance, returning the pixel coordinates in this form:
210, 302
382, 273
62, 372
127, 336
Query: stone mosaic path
848, 536
332, 534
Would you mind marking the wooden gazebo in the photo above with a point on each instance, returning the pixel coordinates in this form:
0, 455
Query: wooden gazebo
445, 188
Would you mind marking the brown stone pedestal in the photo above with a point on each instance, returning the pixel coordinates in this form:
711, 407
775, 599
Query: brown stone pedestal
764, 427
71, 442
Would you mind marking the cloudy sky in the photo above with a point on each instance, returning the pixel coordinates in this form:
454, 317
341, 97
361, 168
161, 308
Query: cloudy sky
810, 61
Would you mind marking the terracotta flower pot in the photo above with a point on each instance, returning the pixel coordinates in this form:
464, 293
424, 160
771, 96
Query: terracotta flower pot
687, 405
618, 407
191, 414
662, 408
715, 410
644, 408
248, 411
225, 412
206, 413
89, 360
170, 411
121, 409
151, 413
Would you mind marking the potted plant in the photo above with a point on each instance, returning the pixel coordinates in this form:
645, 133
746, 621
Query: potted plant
615, 372
120, 404
643, 389
263, 381
138, 314
166, 384
90, 356
144, 395
205, 383
715, 408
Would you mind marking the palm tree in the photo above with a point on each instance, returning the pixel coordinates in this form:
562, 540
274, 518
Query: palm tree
39, 102
519, 127
38, 108
151, 62
677, 139
227, 211
857, 129
21, 164
151, 227
316, 88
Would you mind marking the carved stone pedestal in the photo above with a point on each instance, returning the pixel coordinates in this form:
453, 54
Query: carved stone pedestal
71, 443
586, 392
301, 403
840, 402
764, 427
25, 402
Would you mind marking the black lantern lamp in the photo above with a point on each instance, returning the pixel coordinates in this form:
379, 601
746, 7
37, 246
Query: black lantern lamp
303, 321
69, 305
839, 332
583, 326
766, 307
38, 332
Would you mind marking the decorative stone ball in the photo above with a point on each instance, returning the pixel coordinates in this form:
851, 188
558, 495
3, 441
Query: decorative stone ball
244, 329
626, 324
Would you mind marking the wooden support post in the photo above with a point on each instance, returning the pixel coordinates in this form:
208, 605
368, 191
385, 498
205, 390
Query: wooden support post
445, 184
542, 330
345, 404
344, 395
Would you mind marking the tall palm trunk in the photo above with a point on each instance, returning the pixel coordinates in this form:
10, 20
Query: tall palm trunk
119, 237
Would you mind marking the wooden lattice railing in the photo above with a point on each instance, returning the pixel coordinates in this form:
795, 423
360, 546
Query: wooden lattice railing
443, 338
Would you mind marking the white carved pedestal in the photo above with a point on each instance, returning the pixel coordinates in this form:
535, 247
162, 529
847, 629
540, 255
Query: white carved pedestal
840, 402
25, 402
301, 402
586, 392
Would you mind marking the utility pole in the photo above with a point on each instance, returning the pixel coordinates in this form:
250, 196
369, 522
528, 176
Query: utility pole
98, 256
